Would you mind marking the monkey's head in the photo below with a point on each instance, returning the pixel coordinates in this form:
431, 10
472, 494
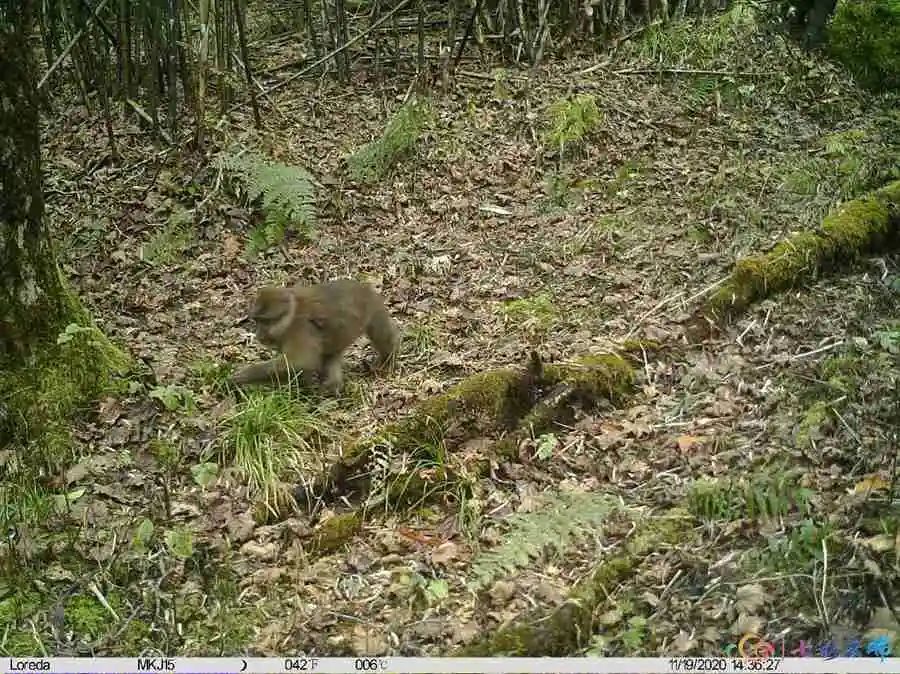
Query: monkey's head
273, 311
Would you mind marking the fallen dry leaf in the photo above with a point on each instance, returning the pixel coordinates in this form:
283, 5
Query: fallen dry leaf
688, 442
445, 552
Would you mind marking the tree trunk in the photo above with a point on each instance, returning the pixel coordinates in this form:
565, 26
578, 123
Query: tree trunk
33, 303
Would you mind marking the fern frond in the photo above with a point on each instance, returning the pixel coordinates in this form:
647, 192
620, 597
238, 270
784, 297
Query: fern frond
570, 120
564, 518
287, 193
373, 160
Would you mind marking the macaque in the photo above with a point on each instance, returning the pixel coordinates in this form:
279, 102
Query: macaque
312, 326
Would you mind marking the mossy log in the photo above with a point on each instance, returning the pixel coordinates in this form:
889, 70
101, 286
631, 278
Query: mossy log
507, 402
569, 627
857, 227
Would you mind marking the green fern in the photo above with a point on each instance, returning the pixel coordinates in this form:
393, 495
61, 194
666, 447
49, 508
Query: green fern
570, 120
287, 194
562, 518
711, 499
773, 495
700, 90
373, 160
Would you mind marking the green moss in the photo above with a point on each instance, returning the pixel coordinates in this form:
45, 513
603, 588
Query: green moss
816, 419
641, 346
602, 376
537, 312
857, 225
88, 618
478, 402
49, 387
335, 532
854, 228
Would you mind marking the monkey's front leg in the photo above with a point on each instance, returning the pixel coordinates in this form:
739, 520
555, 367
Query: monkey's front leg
275, 370
332, 375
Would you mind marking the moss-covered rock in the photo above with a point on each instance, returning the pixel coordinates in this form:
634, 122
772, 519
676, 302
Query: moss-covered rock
335, 532
856, 227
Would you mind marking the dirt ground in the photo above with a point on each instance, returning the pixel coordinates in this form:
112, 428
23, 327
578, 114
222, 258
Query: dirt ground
619, 238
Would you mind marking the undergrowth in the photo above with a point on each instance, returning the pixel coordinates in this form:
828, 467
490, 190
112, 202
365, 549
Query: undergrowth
374, 160
562, 518
569, 121
269, 435
287, 194
865, 36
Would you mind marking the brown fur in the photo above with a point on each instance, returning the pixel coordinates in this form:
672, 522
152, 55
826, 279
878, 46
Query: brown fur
312, 326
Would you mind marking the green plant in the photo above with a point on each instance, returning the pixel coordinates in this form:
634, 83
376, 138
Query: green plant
287, 194
570, 120
180, 542
168, 242
92, 334
372, 161
420, 339
166, 452
174, 397
562, 518
695, 43
532, 313
211, 373
143, 535
268, 435
772, 495
851, 162
633, 637
710, 499
22, 503
865, 36
204, 473
889, 339
797, 551
699, 91
560, 191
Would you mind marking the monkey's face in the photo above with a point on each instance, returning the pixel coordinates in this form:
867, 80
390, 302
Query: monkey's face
272, 312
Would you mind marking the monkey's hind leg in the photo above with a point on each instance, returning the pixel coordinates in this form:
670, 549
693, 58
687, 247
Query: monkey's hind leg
384, 334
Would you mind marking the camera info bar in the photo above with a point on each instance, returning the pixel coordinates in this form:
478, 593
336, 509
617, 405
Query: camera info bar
388, 665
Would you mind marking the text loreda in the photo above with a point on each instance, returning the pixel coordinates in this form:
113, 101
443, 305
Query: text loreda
28, 665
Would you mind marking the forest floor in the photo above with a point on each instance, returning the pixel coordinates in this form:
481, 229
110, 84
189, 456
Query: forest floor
486, 244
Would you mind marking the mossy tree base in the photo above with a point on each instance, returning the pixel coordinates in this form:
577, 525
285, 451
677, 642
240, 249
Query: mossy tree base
51, 357
47, 387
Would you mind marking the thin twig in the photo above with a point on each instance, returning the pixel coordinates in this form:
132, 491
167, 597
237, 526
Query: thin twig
143, 115
827, 347
690, 71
